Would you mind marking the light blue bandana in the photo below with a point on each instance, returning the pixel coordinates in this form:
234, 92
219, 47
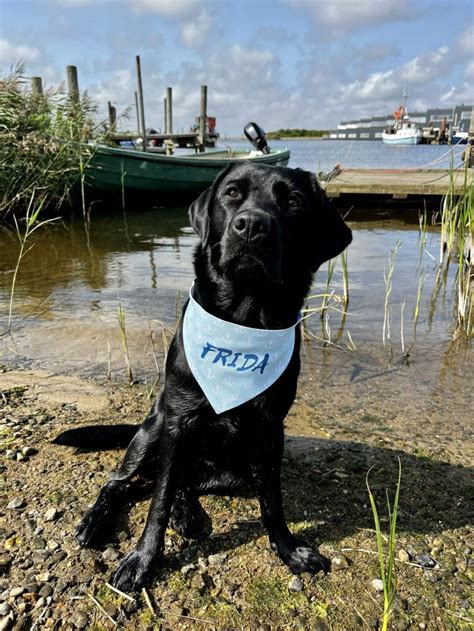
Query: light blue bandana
233, 363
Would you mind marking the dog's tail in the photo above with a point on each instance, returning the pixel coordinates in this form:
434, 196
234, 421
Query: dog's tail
98, 437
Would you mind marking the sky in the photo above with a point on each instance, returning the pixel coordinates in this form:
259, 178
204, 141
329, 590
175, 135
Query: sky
281, 63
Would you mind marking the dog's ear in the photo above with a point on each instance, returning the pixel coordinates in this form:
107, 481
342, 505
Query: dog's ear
200, 210
332, 233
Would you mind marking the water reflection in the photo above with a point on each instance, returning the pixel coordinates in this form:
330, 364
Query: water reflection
73, 279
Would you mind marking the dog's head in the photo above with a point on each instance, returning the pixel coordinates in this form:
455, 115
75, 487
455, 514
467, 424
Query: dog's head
263, 224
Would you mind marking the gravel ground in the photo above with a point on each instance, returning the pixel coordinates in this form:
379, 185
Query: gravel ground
232, 580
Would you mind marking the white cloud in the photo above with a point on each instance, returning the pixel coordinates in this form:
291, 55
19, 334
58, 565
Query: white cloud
195, 33
426, 67
466, 41
350, 15
11, 54
469, 72
166, 8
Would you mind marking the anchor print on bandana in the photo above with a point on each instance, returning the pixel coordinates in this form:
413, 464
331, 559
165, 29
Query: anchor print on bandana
233, 363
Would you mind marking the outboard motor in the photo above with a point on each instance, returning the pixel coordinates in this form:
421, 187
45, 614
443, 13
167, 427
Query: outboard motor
256, 135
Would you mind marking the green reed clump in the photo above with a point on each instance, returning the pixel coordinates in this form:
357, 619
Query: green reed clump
457, 243
387, 558
42, 144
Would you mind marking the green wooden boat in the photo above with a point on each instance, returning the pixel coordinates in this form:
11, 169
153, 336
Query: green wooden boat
116, 169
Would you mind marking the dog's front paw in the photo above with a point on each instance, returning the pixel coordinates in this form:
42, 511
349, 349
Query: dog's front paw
299, 557
133, 573
91, 529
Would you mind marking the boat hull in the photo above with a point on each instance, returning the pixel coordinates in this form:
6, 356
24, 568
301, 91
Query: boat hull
116, 170
394, 139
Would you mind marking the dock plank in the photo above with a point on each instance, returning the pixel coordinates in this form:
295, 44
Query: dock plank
398, 183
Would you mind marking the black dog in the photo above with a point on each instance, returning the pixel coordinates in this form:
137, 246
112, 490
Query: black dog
264, 231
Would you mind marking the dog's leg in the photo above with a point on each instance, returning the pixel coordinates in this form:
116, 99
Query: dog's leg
188, 517
96, 523
266, 457
135, 569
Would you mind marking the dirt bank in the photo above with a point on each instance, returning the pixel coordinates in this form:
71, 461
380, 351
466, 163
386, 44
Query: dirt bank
232, 580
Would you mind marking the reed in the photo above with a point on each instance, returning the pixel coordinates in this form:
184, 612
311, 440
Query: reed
386, 558
31, 225
345, 277
387, 276
43, 146
123, 340
457, 243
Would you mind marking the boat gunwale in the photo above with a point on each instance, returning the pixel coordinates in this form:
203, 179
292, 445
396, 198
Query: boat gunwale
133, 154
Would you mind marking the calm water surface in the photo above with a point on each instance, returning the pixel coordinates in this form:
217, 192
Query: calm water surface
72, 281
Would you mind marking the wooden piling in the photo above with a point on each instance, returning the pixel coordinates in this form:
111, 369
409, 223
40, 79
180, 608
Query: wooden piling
203, 118
112, 117
140, 100
36, 87
72, 83
137, 111
169, 111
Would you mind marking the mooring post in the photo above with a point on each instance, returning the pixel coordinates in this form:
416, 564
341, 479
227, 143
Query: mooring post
112, 117
169, 111
137, 111
140, 100
72, 83
36, 87
203, 118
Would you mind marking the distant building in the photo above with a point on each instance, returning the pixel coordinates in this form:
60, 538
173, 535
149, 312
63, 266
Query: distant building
458, 117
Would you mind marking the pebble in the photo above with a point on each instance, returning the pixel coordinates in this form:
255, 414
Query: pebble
190, 567
16, 503
52, 545
295, 584
80, 619
198, 582
216, 559
51, 514
46, 590
425, 561
5, 623
38, 543
4, 609
110, 554
403, 555
339, 563
16, 591
5, 560
28, 451
376, 584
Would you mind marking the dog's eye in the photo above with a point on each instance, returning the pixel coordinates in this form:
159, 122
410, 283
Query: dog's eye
232, 191
294, 202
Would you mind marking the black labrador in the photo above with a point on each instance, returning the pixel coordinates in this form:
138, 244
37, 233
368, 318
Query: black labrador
263, 232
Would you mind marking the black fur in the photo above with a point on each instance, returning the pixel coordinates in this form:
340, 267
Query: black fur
264, 231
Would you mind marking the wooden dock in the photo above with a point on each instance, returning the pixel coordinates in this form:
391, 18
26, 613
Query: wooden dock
419, 186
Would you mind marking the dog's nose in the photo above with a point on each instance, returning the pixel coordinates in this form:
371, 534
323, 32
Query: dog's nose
251, 225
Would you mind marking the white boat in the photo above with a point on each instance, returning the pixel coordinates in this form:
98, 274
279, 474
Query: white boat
403, 131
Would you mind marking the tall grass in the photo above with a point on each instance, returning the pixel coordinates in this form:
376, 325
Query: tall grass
43, 146
31, 225
457, 243
387, 558
387, 276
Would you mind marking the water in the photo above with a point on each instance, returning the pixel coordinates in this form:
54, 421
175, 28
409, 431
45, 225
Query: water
323, 155
72, 282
